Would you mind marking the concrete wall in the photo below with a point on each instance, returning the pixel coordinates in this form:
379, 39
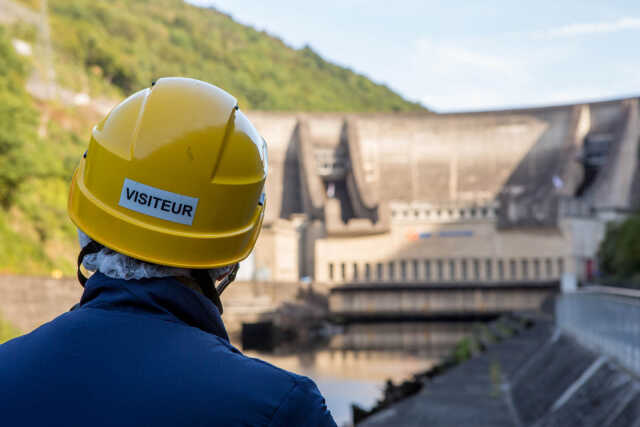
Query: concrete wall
499, 255
277, 252
247, 301
277, 130
533, 379
461, 156
612, 189
585, 235
425, 301
447, 152
27, 302
604, 320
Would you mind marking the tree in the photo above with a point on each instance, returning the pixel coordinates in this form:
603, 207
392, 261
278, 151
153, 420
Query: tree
619, 252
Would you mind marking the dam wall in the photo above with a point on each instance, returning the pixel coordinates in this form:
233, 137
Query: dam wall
539, 377
27, 302
397, 182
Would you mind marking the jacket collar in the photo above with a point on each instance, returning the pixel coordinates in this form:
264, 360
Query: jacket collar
165, 298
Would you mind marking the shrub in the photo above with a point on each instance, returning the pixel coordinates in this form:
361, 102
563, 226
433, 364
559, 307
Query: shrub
619, 253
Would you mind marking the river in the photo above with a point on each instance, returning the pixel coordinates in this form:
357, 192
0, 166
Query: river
355, 363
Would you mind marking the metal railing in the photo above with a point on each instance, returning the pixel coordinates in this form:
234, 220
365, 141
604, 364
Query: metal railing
604, 319
574, 207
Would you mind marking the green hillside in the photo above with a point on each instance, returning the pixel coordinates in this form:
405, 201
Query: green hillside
35, 234
109, 49
128, 44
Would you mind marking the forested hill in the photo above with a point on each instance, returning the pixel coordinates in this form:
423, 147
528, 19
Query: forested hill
126, 44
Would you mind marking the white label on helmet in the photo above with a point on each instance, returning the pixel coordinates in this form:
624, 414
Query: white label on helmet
158, 203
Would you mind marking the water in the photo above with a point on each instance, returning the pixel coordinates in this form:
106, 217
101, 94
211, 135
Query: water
355, 364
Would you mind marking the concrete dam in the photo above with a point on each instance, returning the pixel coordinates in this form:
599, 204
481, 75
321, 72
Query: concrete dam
424, 214
395, 212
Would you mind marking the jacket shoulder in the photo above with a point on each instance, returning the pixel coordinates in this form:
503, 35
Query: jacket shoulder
303, 405
296, 398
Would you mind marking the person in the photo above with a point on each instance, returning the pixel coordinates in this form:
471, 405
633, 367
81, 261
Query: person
168, 199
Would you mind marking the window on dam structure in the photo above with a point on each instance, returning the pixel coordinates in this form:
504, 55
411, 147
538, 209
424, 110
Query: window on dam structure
403, 270
512, 269
488, 270
379, 271
330, 271
367, 272
463, 269
500, 269
427, 270
525, 269
476, 269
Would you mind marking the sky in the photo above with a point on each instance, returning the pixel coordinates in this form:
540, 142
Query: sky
466, 55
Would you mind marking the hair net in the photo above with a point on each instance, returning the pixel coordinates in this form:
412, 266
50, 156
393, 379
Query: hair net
119, 266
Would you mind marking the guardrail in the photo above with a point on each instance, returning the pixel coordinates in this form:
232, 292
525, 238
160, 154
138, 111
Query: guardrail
606, 319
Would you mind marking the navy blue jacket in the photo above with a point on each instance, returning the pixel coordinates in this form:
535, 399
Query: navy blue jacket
146, 353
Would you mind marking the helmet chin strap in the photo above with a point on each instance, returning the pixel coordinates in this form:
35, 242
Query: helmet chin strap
208, 287
91, 248
228, 279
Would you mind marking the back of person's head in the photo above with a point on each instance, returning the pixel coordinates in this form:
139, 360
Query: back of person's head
172, 184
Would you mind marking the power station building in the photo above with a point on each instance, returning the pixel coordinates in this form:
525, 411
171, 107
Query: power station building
492, 197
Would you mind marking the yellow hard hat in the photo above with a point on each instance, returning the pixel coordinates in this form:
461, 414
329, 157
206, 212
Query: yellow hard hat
174, 175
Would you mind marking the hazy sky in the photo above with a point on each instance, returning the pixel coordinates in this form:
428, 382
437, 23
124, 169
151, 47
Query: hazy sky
467, 55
